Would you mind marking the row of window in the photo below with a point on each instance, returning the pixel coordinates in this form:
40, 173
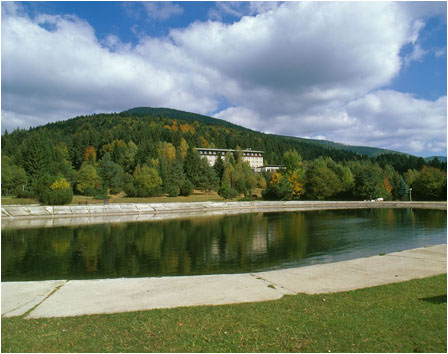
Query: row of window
244, 153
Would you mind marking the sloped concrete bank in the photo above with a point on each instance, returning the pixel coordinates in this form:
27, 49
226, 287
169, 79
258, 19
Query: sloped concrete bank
59, 298
25, 216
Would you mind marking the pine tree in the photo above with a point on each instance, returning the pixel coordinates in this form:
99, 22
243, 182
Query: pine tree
35, 155
219, 168
403, 190
111, 173
174, 178
192, 161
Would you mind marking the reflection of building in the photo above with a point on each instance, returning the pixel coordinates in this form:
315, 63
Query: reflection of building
253, 157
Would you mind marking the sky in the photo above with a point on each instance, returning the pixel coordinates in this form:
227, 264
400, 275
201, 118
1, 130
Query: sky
358, 73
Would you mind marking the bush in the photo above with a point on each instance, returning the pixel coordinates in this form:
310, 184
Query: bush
91, 192
172, 191
130, 190
187, 188
227, 192
144, 192
56, 197
25, 194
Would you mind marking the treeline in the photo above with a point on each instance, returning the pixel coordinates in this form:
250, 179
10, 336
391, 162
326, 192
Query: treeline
325, 179
149, 155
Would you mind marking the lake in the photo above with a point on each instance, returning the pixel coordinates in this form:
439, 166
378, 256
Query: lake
215, 244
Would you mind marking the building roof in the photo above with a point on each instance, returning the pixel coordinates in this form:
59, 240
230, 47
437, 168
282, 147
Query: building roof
229, 150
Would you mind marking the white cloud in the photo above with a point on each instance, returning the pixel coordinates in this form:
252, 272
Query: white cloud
416, 55
162, 10
440, 52
399, 121
242, 116
55, 74
293, 68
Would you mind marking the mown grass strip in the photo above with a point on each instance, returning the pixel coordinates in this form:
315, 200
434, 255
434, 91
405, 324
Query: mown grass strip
403, 317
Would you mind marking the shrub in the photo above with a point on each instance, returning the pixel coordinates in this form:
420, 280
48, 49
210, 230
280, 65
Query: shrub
25, 193
187, 188
56, 197
91, 192
172, 191
227, 192
130, 190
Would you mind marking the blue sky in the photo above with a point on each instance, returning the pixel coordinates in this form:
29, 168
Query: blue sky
366, 74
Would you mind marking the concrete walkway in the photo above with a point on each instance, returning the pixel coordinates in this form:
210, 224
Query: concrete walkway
30, 216
60, 298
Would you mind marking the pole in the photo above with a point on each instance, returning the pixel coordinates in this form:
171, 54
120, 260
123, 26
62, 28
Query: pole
410, 194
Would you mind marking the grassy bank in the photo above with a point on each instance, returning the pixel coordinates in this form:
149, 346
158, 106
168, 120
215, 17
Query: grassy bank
197, 196
402, 317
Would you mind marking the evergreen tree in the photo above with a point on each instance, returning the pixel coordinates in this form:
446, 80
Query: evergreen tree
219, 168
35, 154
206, 179
174, 178
111, 173
403, 190
191, 164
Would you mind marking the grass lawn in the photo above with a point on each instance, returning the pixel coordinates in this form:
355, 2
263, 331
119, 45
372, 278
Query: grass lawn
402, 317
197, 196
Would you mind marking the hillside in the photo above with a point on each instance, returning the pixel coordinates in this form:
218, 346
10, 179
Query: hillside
176, 114
146, 152
146, 127
440, 158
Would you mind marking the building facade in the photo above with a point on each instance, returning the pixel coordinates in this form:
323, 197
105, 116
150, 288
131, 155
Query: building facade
269, 168
253, 157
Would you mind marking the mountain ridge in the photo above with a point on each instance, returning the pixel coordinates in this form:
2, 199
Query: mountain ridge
184, 115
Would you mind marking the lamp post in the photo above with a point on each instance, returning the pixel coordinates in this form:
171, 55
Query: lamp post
410, 194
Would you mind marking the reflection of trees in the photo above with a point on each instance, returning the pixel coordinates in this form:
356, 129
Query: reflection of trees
198, 245
87, 243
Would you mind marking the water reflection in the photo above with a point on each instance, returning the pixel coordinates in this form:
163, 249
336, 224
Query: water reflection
216, 244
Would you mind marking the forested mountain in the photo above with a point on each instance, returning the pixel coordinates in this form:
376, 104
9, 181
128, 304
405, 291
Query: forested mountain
440, 158
148, 151
147, 126
176, 114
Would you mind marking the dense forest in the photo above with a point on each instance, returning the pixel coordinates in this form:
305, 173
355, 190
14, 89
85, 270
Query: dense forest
150, 151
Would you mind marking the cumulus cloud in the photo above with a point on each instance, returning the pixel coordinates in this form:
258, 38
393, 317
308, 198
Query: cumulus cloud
398, 119
56, 73
290, 68
239, 9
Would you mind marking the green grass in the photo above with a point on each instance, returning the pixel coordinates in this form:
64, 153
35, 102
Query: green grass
197, 196
402, 317
13, 200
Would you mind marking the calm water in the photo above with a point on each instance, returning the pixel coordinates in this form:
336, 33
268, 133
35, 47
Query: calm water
215, 244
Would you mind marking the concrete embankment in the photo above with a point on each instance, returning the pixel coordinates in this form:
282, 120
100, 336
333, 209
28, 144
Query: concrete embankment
60, 298
24, 216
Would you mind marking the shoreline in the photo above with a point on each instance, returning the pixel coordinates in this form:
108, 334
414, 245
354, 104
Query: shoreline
29, 216
49, 298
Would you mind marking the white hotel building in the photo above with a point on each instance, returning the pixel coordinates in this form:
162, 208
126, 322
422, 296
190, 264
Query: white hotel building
253, 157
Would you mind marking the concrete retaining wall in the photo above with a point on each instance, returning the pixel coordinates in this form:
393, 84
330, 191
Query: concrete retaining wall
21, 216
